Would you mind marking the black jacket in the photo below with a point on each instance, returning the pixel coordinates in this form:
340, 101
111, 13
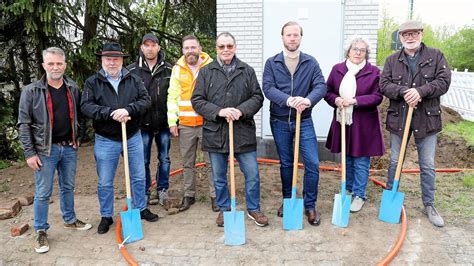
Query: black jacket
99, 100
34, 118
431, 80
157, 83
215, 91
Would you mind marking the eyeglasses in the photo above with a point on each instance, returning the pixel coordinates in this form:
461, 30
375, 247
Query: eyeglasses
359, 50
412, 34
228, 46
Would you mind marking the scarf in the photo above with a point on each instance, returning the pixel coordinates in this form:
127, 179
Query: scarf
348, 88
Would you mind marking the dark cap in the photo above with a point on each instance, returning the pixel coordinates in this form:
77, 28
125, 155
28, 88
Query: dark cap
410, 25
112, 49
150, 37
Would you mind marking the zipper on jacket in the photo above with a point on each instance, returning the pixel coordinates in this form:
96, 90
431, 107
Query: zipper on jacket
291, 95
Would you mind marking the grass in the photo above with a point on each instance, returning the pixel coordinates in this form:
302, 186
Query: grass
469, 181
464, 129
4, 187
455, 194
4, 164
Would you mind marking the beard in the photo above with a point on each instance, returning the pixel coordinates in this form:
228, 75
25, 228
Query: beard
150, 56
115, 73
292, 48
54, 76
191, 58
412, 46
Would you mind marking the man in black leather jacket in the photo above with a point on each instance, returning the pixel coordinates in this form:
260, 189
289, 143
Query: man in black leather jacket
49, 132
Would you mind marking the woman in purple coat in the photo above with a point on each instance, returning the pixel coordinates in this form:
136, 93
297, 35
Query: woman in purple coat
354, 85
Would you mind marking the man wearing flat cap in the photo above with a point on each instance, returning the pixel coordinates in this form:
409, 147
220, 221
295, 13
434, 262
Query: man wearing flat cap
416, 76
112, 96
155, 73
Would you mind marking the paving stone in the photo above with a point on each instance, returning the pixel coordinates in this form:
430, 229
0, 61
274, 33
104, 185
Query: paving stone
9, 209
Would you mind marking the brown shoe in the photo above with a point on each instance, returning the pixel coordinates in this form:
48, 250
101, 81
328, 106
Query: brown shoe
186, 203
214, 206
280, 211
258, 217
220, 219
314, 217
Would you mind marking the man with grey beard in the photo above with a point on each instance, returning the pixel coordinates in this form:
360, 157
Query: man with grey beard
112, 96
416, 76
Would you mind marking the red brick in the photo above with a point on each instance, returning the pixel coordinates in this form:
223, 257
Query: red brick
19, 230
9, 209
26, 200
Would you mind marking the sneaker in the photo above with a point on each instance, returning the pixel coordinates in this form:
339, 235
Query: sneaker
258, 217
104, 225
220, 219
433, 216
357, 204
148, 215
78, 225
163, 197
41, 242
153, 198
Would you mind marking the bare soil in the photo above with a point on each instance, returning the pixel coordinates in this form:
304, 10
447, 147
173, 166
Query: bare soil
192, 237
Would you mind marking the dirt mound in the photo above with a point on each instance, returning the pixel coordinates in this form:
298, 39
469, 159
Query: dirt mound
450, 152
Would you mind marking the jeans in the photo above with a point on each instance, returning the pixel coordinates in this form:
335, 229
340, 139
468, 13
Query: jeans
64, 160
163, 143
357, 174
426, 148
283, 134
249, 166
107, 153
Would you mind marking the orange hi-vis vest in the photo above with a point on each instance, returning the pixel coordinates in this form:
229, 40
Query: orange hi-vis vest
181, 89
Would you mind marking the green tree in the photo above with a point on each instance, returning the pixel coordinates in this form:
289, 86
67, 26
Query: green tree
460, 49
384, 37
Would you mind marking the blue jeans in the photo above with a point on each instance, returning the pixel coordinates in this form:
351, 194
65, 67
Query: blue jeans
426, 148
283, 134
107, 153
357, 174
163, 143
249, 166
64, 160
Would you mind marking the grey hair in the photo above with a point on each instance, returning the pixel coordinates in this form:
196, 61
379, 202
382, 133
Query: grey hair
354, 41
54, 50
226, 34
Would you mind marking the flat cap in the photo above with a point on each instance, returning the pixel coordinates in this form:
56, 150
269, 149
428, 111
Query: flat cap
410, 25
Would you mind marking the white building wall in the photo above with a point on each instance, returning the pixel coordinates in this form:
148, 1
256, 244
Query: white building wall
244, 19
361, 18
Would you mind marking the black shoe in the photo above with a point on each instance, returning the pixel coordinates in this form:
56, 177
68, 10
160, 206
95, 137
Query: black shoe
148, 215
186, 203
214, 206
104, 225
280, 211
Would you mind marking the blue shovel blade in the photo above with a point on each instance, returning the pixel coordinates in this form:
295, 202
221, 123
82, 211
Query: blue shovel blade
234, 228
391, 206
293, 214
341, 210
131, 224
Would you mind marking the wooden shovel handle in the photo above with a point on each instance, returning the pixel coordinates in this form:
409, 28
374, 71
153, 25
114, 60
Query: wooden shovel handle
404, 143
343, 145
297, 150
125, 159
231, 159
